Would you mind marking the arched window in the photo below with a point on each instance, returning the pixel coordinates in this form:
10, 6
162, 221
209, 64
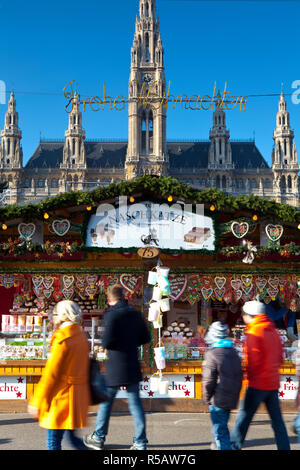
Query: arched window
240, 183
253, 183
27, 183
218, 182
224, 185
41, 183
283, 184
289, 182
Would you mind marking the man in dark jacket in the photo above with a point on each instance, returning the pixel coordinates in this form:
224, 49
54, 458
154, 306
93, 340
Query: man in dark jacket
221, 382
124, 331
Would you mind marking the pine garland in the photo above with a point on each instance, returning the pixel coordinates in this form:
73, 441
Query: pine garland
162, 187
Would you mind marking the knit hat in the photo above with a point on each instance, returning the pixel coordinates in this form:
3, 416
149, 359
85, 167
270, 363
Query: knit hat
217, 330
253, 308
67, 310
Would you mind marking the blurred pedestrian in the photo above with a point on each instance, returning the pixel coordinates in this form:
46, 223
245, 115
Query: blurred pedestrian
221, 382
124, 331
264, 356
61, 399
296, 423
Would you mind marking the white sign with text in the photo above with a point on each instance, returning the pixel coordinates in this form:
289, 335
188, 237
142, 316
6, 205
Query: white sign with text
13, 388
180, 386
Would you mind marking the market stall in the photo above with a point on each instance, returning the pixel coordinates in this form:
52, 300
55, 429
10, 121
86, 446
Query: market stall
185, 258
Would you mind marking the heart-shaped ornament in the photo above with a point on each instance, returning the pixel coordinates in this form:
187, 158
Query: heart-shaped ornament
236, 284
177, 286
68, 281
7, 280
246, 280
26, 231
130, 283
220, 282
272, 293
274, 232
237, 295
219, 293
239, 229
48, 281
274, 282
37, 280
207, 281
57, 295
207, 292
68, 293
48, 293
61, 227
261, 283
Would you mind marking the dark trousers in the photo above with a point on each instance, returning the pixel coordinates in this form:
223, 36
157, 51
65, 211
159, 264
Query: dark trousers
253, 398
55, 437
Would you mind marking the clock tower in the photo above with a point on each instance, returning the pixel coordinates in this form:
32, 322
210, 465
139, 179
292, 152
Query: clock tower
147, 148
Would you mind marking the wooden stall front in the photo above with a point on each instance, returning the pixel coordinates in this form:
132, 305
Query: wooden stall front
53, 251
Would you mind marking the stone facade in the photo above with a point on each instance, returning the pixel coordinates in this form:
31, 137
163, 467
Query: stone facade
75, 163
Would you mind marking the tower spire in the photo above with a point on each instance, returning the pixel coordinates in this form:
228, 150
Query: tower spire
147, 148
11, 155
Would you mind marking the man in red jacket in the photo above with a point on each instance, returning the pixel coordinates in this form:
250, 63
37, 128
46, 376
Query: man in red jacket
263, 360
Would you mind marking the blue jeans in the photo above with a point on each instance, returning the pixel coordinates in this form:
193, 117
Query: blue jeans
297, 426
253, 398
219, 418
55, 437
135, 408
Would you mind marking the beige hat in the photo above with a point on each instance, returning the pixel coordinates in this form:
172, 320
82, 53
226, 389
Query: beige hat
67, 310
253, 308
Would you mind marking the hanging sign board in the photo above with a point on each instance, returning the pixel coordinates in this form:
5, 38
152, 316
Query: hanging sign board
147, 224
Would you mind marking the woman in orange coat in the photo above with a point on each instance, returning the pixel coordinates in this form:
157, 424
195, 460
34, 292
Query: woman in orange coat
62, 397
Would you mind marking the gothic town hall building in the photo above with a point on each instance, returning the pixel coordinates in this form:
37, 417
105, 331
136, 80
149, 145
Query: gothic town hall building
75, 163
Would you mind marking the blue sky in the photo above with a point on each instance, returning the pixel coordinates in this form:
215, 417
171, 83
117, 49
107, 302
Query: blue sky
251, 45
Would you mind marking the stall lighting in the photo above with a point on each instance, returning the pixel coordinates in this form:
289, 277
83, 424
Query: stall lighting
255, 217
299, 227
212, 208
88, 208
46, 215
170, 198
131, 199
4, 227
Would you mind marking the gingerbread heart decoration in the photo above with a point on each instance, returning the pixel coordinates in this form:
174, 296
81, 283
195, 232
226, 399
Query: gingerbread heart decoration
37, 280
68, 281
261, 283
207, 281
48, 281
246, 280
26, 231
237, 295
61, 227
207, 292
274, 232
236, 284
220, 282
57, 295
274, 282
219, 293
7, 280
130, 283
177, 286
239, 229
68, 293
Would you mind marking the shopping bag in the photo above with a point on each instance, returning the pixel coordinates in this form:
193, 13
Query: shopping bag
97, 384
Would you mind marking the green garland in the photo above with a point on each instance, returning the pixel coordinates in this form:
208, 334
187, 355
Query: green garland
162, 187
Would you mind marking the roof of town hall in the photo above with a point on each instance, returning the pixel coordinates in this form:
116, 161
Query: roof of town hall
112, 154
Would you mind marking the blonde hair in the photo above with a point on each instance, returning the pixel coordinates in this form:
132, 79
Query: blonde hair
67, 310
